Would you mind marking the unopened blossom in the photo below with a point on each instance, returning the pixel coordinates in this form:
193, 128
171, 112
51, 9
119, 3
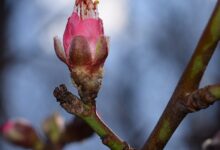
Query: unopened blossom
53, 127
84, 40
19, 132
86, 48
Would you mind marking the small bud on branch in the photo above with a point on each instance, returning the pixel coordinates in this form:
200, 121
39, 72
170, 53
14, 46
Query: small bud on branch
20, 132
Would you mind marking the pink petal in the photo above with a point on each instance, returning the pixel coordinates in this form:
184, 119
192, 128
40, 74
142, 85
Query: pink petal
7, 127
90, 28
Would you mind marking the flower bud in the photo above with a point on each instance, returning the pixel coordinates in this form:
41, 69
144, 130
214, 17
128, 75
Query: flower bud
212, 143
86, 48
53, 127
20, 132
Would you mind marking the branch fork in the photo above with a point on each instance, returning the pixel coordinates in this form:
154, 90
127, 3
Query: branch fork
199, 99
87, 112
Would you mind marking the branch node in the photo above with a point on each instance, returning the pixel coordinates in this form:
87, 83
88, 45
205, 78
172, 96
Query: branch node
106, 139
87, 112
127, 146
199, 99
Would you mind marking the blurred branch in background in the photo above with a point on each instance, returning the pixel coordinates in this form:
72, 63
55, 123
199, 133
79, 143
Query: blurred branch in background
80, 129
3, 48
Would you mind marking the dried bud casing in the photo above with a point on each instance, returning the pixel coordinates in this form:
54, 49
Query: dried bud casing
87, 73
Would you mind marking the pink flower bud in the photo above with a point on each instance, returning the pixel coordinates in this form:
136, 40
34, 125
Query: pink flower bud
83, 40
90, 28
20, 133
53, 127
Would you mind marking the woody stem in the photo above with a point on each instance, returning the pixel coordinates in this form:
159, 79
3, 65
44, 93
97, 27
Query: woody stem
177, 109
75, 106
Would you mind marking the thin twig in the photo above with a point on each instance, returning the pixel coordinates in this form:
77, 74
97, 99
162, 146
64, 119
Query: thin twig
74, 105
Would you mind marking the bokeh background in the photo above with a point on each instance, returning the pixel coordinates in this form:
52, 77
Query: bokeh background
150, 44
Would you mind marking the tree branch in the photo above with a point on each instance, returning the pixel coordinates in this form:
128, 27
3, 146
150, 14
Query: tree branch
176, 110
74, 105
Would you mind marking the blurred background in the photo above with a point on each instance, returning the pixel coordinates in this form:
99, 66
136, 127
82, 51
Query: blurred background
150, 44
